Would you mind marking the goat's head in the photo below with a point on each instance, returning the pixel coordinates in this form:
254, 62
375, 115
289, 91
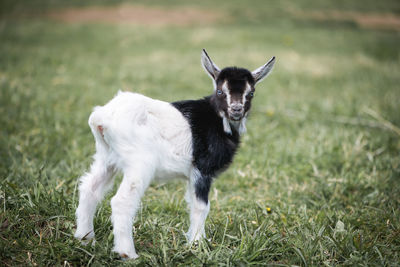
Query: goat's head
234, 89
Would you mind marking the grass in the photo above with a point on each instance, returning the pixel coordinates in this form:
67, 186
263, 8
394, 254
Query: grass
322, 148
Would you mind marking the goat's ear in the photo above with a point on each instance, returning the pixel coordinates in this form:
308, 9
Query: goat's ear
211, 69
262, 72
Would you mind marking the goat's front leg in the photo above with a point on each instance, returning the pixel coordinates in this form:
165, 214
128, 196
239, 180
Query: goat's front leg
93, 186
197, 198
124, 207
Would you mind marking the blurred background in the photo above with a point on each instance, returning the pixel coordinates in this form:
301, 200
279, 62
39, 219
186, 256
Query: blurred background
323, 141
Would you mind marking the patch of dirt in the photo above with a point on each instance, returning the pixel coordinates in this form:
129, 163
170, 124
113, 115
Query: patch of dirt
366, 20
140, 15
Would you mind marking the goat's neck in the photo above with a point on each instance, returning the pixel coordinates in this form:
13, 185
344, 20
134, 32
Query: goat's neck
239, 126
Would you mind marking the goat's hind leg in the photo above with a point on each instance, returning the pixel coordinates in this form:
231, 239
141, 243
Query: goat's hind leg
92, 188
125, 204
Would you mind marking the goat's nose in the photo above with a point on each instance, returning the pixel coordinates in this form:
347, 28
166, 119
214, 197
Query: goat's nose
237, 108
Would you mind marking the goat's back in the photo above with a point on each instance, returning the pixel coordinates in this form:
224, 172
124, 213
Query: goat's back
135, 127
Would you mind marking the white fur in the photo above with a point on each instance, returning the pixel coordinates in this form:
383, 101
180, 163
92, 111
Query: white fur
226, 123
225, 89
246, 92
145, 139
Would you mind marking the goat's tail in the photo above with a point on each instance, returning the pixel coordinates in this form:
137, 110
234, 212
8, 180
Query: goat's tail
99, 122
120, 121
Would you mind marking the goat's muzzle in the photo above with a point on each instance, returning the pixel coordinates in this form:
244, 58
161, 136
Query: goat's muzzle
236, 112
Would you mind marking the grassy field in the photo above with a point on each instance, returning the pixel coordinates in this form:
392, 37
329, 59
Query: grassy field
322, 148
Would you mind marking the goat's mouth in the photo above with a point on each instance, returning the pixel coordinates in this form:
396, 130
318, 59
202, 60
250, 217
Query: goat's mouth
235, 116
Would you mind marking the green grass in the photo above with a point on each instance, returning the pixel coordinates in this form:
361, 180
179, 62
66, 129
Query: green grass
322, 148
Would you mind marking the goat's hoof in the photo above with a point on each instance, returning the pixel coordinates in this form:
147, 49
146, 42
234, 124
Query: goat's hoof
195, 239
127, 255
86, 242
86, 238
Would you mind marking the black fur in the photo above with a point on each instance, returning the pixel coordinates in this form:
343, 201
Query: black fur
234, 74
213, 149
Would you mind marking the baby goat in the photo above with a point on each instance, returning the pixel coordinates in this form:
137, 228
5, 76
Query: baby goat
147, 139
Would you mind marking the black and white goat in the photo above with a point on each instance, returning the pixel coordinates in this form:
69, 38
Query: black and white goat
149, 139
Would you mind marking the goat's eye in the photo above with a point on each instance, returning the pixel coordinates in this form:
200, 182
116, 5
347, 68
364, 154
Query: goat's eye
219, 92
251, 94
